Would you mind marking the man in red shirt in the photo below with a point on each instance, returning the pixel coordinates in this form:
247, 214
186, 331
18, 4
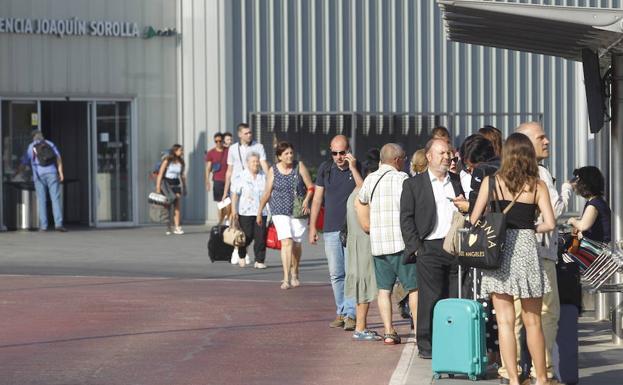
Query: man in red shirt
216, 163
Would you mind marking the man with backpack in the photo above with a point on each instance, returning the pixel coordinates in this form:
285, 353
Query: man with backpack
47, 172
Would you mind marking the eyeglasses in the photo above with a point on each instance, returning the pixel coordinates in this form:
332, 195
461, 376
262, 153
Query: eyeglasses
336, 153
455, 159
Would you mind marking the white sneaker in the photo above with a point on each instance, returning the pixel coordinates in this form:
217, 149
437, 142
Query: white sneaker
260, 265
178, 231
247, 259
168, 232
235, 259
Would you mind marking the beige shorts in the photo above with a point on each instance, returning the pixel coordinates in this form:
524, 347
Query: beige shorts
288, 227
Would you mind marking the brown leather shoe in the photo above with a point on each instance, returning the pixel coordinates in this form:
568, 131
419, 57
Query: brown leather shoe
349, 324
338, 322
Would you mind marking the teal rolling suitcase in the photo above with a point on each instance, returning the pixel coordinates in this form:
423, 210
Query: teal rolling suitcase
459, 338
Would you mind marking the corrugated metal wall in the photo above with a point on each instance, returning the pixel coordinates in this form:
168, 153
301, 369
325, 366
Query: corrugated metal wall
391, 56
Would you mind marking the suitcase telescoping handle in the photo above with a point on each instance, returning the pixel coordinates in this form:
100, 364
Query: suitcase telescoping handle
462, 232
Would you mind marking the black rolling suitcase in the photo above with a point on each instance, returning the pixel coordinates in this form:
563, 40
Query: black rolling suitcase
217, 249
565, 353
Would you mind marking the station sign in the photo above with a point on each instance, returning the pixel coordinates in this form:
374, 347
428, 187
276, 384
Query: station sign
77, 27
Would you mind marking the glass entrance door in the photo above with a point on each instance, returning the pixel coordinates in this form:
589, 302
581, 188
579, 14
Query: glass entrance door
18, 118
112, 163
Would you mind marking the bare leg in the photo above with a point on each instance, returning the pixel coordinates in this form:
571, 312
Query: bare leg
286, 261
385, 308
297, 251
413, 297
362, 315
505, 312
531, 315
176, 215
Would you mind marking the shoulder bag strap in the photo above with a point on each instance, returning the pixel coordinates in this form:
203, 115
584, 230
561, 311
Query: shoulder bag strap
240, 156
507, 209
296, 178
376, 184
493, 194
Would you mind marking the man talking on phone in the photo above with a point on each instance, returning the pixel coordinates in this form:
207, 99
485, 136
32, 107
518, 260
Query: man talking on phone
335, 181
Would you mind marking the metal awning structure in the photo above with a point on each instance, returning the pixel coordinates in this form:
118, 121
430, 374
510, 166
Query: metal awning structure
564, 32
543, 29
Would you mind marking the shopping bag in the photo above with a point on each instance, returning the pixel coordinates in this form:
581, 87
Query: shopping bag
272, 241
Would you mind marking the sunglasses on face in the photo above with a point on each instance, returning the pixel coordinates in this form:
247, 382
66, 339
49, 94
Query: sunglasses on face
455, 159
336, 153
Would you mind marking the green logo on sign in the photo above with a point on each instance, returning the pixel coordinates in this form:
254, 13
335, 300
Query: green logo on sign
150, 32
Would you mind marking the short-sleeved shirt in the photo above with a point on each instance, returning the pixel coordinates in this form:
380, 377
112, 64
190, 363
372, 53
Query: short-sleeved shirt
338, 185
600, 230
237, 155
219, 163
385, 232
30, 159
249, 191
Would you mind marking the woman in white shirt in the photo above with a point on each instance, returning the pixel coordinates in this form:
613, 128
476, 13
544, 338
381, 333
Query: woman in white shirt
172, 173
247, 190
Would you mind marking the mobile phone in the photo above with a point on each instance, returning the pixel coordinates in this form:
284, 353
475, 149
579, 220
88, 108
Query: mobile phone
450, 199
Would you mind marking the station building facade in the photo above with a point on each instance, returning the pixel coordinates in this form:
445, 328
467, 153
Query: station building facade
116, 82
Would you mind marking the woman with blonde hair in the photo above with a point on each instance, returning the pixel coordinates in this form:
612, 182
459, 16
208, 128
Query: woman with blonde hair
419, 163
517, 187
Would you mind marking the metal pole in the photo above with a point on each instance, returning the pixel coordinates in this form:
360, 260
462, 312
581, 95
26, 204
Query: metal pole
616, 180
617, 313
616, 147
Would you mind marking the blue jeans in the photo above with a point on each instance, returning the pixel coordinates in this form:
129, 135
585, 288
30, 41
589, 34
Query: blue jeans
43, 184
336, 257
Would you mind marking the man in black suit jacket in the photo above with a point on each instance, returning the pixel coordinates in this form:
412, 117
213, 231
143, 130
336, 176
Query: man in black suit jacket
426, 209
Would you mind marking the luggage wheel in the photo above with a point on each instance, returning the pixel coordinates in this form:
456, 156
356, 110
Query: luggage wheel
473, 378
436, 376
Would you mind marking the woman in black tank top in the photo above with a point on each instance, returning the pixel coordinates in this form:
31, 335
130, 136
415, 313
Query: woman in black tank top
521, 274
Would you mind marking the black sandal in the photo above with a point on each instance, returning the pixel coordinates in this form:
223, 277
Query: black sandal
394, 337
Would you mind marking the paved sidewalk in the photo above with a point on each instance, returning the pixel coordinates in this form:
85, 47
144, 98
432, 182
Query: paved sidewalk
142, 254
601, 362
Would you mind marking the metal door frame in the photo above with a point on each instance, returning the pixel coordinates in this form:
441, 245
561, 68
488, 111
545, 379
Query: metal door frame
11, 99
92, 116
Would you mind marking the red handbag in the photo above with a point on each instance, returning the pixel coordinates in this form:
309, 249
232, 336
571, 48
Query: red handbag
320, 219
272, 241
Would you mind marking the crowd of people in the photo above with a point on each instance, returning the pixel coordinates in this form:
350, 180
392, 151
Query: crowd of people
386, 218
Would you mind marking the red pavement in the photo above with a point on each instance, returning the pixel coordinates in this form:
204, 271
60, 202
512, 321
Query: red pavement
82, 330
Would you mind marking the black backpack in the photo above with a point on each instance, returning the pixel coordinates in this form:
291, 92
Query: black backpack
45, 154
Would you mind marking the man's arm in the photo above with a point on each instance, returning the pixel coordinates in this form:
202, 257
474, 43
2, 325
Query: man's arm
363, 215
410, 234
559, 201
352, 165
315, 210
264, 165
59, 166
228, 174
207, 174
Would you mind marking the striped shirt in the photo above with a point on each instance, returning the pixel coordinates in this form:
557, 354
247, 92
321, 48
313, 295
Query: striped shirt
385, 233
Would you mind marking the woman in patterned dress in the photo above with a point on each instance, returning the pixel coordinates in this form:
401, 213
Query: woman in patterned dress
282, 185
521, 274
